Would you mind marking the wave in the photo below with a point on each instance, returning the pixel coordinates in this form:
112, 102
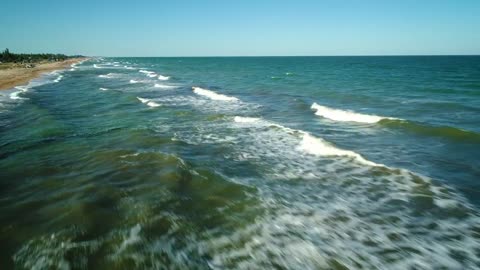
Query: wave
103, 89
59, 78
134, 81
152, 75
35, 83
148, 102
163, 78
162, 86
108, 76
14, 95
418, 128
212, 95
96, 66
310, 144
346, 116
146, 71
447, 132
127, 67
320, 147
241, 119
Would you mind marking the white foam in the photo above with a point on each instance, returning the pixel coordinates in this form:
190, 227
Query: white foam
134, 81
310, 144
133, 237
127, 67
152, 75
212, 95
148, 102
163, 78
96, 66
146, 71
108, 76
59, 78
14, 95
103, 89
163, 86
22, 88
241, 119
345, 116
320, 147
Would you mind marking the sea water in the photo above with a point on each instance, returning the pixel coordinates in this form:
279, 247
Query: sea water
243, 163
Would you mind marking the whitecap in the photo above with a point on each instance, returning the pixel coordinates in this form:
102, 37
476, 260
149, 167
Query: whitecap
108, 76
103, 89
241, 119
212, 95
148, 102
163, 86
134, 81
345, 116
59, 78
14, 95
163, 78
146, 71
320, 147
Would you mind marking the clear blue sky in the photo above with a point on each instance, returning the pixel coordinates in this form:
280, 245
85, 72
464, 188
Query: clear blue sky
241, 27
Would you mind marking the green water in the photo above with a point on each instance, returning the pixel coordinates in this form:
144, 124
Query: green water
119, 164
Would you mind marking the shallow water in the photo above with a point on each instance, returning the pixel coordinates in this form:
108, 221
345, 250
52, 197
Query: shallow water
269, 162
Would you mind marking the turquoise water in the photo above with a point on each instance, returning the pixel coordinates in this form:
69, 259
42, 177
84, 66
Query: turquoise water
269, 162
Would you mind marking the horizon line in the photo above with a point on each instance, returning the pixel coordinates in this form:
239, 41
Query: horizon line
340, 55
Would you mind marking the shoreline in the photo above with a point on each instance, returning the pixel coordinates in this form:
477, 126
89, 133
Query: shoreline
16, 76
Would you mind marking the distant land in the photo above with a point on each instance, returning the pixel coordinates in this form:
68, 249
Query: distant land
17, 69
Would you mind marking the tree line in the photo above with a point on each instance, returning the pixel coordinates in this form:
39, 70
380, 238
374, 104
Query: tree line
7, 56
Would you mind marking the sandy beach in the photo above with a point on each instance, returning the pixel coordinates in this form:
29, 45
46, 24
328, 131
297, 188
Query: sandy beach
16, 74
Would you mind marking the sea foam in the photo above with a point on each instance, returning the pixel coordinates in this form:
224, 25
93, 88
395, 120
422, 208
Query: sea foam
241, 119
107, 76
148, 102
146, 71
163, 86
345, 116
212, 95
59, 78
310, 144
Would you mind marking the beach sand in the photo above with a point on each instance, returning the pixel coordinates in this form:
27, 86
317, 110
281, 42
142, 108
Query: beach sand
12, 75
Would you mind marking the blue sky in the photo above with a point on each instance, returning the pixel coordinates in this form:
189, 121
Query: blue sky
241, 28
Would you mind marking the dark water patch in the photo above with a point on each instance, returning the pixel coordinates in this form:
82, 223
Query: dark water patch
120, 196
450, 133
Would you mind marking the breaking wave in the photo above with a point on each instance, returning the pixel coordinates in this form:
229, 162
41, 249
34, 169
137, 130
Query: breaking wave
346, 116
212, 95
148, 102
163, 86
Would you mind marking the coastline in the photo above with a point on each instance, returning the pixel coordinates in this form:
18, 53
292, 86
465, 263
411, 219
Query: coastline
16, 76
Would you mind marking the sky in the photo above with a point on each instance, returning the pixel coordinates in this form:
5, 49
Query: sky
241, 27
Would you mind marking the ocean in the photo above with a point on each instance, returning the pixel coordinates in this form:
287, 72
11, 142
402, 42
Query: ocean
243, 163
